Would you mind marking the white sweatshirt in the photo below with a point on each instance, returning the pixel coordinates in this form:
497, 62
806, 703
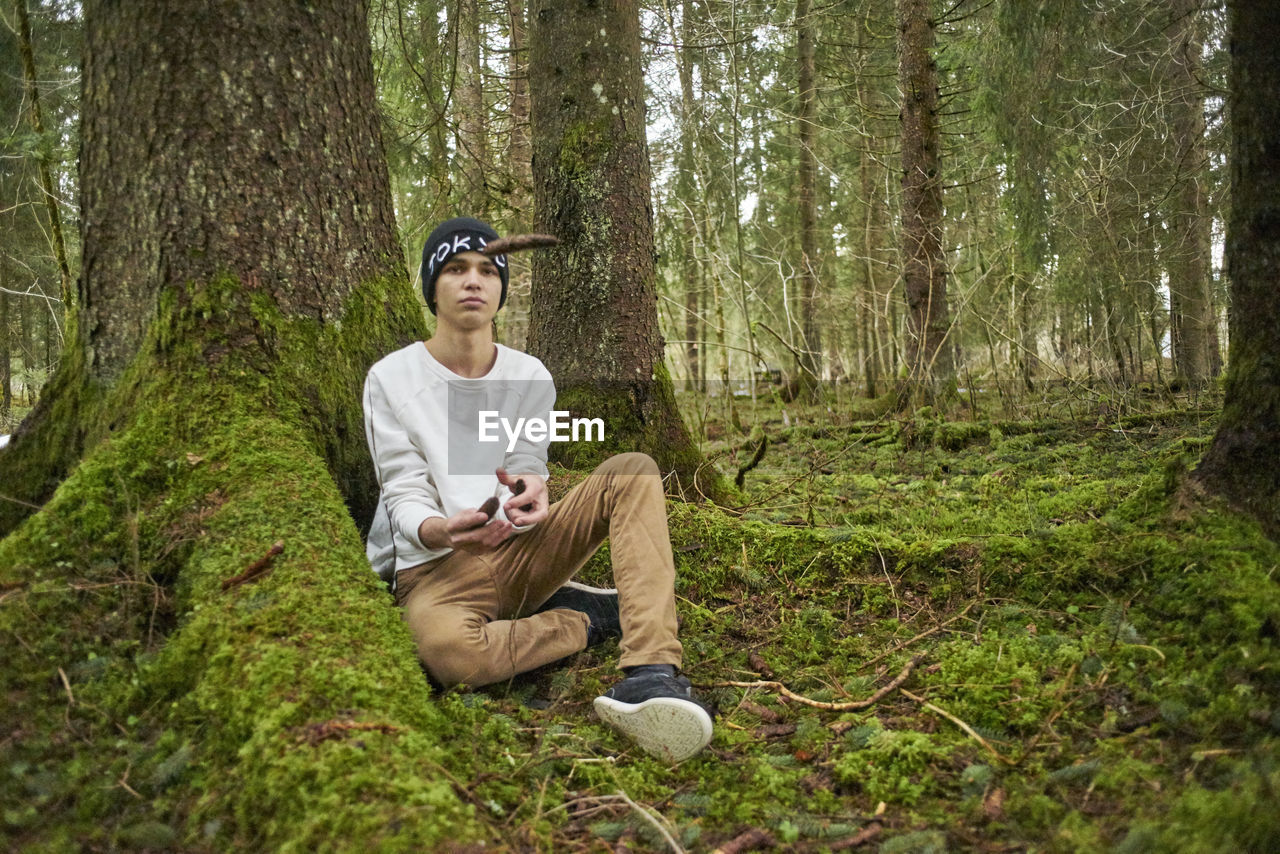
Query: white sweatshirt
422, 422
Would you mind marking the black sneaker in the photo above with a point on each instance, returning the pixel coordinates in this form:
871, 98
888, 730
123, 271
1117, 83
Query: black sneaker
599, 604
656, 709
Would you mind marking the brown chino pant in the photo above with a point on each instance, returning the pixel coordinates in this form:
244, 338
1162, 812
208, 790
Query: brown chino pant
473, 618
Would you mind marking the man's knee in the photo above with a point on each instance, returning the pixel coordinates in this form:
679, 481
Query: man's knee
631, 463
447, 641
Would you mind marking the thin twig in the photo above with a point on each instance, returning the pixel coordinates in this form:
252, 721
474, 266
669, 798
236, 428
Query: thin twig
830, 707
897, 612
1057, 713
124, 783
66, 683
4, 497
675, 846
964, 726
920, 636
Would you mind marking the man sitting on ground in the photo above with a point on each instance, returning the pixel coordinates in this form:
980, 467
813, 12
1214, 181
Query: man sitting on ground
485, 585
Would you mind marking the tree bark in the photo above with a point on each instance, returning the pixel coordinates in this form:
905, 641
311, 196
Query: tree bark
1243, 461
229, 177
923, 265
595, 321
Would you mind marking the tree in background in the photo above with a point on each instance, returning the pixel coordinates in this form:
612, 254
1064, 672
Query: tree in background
924, 269
810, 261
39, 51
594, 322
1190, 256
1243, 462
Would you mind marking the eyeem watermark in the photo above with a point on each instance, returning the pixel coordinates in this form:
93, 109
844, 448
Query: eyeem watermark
560, 428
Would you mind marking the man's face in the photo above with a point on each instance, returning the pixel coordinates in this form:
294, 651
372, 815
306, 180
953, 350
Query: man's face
468, 290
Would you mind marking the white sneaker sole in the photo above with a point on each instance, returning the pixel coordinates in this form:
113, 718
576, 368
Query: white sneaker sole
666, 727
587, 588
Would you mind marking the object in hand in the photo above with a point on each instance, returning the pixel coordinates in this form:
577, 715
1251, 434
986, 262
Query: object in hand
518, 243
490, 506
519, 488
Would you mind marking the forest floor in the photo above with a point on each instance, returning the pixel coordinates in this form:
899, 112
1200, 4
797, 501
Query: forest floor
922, 636
1013, 632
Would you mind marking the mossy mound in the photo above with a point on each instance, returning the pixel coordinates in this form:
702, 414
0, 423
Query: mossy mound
159, 705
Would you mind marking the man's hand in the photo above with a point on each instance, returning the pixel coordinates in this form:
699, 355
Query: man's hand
467, 530
528, 507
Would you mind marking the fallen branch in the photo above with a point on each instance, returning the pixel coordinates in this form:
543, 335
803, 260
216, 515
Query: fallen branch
829, 707
19, 501
257, 568
964, 726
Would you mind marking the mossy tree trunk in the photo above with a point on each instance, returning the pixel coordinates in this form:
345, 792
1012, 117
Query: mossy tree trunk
1243, 462
240, 273
924, 273
595, 319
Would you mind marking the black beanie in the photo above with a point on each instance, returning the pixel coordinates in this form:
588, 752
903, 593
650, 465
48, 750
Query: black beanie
460, 234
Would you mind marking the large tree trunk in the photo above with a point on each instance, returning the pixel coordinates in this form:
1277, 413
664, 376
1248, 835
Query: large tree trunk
240, 273
924, 273
595, 319
1243, 462
1191, 310
166, 213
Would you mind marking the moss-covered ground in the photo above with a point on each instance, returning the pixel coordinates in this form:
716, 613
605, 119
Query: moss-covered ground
1090, 651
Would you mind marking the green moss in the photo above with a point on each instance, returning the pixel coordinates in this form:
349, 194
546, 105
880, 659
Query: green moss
1112, 640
